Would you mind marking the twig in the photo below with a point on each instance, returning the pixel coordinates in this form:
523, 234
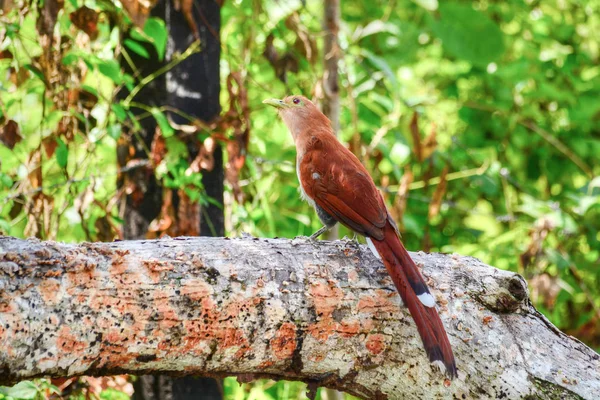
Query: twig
450, 177
192, 49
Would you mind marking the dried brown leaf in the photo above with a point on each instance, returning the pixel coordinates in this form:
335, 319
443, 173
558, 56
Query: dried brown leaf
50, 144
545, 288
416, 136
6, 54
430, 143
438, 195
10, 134
34, 166
281, 64
138, 10
104, 230
205, 159
163, 223
188, 216
86, 19
538, 234
187, 11
402, 194
158, 148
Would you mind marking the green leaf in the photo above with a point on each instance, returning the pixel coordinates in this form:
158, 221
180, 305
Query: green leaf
5, 180
136, 48
36, 71
24, 390
114, 131
119, 111
468, 34
156, 29
69, 59
62, 153
166, 128
111, 69
430, 5
12, 30
382, 65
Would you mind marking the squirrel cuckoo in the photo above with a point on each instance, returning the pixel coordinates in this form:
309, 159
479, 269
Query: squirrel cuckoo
340, 189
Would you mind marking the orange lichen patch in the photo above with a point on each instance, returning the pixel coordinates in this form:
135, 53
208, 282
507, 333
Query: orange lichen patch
232, 337
326, 297
316, 357
379, 303
109, 301
283, 344
155, 268
196, 289
115, 337
115, 357
53, 273
237, 307
121, 275
266, 364
80, 279
54, 319
375, 343
197, 332
169, 317
67, 342
349, 328
49, 290
322, 330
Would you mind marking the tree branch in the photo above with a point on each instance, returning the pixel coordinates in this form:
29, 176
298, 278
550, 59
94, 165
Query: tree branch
324, 313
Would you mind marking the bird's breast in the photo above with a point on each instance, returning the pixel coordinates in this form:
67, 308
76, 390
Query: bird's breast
303, 194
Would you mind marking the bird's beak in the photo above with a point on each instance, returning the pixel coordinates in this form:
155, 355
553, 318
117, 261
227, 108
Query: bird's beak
275, 103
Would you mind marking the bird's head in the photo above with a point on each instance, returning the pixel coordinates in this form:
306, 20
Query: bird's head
298, 113
291, 104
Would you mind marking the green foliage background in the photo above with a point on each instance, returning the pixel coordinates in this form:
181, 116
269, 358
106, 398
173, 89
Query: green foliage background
511, 89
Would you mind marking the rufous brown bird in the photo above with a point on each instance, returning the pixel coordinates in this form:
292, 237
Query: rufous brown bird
340, 189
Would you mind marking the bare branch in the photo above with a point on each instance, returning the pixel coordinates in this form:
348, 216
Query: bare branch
325, 313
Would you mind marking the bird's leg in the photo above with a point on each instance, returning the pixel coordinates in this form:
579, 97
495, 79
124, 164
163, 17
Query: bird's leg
318, 233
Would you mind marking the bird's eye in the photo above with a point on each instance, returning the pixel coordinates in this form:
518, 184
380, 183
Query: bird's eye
296, 101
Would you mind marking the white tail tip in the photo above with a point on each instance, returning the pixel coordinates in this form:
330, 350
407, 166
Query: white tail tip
427, 299
440, 366
372, 247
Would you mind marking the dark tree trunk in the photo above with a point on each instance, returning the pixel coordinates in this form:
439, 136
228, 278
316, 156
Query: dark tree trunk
193, 87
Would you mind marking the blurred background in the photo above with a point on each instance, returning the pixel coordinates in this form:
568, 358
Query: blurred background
479, 121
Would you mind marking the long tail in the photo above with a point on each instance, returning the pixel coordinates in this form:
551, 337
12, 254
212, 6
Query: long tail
416, 297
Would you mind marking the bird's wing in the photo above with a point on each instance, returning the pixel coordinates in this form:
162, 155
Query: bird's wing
334, 178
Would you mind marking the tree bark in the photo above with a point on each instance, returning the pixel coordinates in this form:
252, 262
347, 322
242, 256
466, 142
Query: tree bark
331, 85
321, 312
192, 87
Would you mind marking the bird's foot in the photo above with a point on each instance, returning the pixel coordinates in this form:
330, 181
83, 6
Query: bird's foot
318, 233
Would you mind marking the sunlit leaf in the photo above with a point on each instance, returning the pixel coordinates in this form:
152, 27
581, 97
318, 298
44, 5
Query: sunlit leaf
430, 5
136, 48
166, 128
24, 390
156, 29
36, 71
111, 69
62, 153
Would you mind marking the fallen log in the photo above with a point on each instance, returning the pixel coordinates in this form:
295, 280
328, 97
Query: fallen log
321, 312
